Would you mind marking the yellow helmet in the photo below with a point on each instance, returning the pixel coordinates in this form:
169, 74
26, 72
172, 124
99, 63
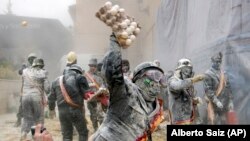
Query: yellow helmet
71, 57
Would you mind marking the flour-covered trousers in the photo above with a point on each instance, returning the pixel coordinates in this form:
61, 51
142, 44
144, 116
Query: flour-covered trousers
32, 109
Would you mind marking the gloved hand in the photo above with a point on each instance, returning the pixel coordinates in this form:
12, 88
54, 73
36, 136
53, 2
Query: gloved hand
219, 104
52, 114
197, 78
197, 100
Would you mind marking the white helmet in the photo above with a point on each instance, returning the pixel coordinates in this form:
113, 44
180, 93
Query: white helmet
183, 63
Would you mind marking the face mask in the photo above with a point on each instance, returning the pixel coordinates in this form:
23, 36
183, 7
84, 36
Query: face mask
186, 72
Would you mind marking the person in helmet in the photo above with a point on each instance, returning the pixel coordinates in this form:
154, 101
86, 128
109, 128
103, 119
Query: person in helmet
182, 93
31, 57
68, 91
134, 110
218, 92
30, 60
38, 63
35, 85
71, 59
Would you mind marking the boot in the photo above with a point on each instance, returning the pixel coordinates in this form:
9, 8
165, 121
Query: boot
18, 122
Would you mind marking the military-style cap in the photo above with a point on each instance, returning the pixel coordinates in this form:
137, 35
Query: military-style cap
93, 61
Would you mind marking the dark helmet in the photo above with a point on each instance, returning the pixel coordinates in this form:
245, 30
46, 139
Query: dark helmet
38, 62
76, 68
143, 67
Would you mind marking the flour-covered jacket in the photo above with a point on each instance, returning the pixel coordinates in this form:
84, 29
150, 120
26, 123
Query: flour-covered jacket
76, 86
180, 102
35, 82
127, 118
211, 84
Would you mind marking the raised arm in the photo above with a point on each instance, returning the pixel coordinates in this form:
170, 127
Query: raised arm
112, 64
178, 84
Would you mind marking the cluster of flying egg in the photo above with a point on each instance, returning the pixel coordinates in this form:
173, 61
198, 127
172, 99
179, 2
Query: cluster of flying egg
124, 27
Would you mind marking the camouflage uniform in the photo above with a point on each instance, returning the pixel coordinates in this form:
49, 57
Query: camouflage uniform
95, 109
128, 117
76, 85
35, 83
105, 85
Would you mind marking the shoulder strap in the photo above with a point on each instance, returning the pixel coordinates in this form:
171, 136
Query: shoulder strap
92, 80
66, 95
221, 84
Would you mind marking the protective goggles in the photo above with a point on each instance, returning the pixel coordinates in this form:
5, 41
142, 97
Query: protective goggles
154, 75
92, 65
